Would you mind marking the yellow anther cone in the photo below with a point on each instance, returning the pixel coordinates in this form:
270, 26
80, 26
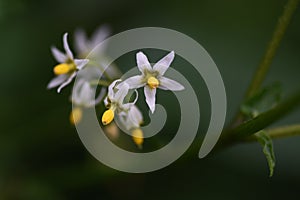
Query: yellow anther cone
62, 68
152, 82
108, 116
138, 137
76, 116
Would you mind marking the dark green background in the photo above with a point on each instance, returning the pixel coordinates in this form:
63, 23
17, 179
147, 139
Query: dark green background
41, 156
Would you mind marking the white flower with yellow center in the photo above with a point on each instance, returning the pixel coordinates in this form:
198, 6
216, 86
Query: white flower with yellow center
153, 77
115, 101
68, 67
83, 97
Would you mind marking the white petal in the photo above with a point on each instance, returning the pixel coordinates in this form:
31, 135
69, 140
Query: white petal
68, 81
105, 101
135, 116
136, 97
56, 81
111, 89
100, 96
86, 93
135, 82
150, 97
163, 64
80, 41
99, 35
142, 62
121, 93
169, 84
66, 47
80, 63
76, 97
58, 55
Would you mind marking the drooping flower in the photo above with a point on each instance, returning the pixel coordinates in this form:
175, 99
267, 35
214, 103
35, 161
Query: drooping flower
67, 69
83, 97
115, 101
132, 121
153, 77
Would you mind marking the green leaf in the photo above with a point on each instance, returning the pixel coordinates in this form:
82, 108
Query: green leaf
262, 101
267, 144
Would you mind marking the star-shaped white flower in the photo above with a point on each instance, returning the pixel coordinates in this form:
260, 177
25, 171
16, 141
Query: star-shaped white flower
115, 101
153, 77
88, 47
68, 67
84, 45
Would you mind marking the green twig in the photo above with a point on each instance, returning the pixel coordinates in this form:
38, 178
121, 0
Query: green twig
261, 121
280, 132
285, 131
100, 82
272, 47
95, 64
266, 61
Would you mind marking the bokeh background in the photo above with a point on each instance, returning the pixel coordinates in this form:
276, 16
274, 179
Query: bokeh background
41, 155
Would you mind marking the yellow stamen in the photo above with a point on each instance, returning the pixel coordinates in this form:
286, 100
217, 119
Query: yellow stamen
76, 116
63, 68
138, 137
108, 116
153, 82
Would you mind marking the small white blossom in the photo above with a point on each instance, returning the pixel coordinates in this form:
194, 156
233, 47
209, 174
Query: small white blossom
84, 45
68, 67
132, 119
83, 97
115, 101
83, 94
152, 77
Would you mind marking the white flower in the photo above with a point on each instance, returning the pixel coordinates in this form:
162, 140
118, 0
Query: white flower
83, 94
115, 101
84, 46
132, 119
68, 67
83, 97
152, 77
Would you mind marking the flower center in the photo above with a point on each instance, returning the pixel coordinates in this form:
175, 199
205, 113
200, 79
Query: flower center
108, 116
64, 68
152, 82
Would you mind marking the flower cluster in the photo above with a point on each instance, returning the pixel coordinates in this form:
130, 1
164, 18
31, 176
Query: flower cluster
114, 92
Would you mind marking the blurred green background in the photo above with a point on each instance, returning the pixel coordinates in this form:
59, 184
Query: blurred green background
41, 155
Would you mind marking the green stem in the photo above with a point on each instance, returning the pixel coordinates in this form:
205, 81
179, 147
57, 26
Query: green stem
272, 47
266, 61
261, 121
95, 64
100, 82
285, 131
279, 132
